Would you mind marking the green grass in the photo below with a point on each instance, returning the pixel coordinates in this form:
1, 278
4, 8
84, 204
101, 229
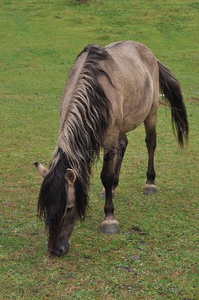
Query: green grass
155, 253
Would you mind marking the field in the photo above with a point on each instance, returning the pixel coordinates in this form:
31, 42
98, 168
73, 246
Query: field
155, 253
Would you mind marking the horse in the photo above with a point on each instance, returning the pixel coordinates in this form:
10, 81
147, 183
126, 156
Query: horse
109, 91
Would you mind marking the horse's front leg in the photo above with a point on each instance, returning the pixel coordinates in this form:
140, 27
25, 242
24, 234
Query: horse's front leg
121, 148
109, 225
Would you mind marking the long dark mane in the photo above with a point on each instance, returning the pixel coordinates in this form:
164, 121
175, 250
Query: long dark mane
79, 141
87, 117
52, 196
53, 193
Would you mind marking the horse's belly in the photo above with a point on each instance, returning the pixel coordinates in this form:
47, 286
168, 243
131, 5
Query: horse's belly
132, 121
135, 112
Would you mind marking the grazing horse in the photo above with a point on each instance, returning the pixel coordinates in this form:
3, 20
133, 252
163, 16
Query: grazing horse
109, 91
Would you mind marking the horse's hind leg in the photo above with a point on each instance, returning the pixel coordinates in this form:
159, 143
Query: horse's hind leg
109, 225
121, 148
150, 128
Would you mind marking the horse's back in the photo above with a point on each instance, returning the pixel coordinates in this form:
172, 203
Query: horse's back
131, 54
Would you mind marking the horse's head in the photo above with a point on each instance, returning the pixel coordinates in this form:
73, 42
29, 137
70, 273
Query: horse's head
57, 202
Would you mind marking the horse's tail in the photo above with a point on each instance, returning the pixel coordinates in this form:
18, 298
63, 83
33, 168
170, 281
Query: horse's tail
172, 93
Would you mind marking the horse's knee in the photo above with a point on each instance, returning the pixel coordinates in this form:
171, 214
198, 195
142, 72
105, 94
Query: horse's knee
107, 179
103, 193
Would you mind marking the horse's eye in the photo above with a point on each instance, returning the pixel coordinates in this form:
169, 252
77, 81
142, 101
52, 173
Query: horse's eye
69, 209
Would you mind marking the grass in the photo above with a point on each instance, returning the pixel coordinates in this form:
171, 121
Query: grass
155, 253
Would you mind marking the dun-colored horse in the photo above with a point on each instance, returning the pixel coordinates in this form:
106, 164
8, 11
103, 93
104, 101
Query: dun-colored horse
109, 92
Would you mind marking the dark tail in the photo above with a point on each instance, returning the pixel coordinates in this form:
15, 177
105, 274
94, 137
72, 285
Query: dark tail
170, 87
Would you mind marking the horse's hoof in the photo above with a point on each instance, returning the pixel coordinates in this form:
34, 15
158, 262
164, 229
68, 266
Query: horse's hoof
150, 189
103, 195
110, 226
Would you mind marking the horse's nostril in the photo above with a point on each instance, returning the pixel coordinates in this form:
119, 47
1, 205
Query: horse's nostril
55, 253
59, 252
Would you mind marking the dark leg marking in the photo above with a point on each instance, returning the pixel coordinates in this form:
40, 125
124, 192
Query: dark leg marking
150, 187
121, 148
109, 225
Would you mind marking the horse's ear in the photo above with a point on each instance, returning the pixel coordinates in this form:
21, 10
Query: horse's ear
70, 176
41, 169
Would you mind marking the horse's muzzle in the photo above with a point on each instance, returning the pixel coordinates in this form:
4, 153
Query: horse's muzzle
58, 252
